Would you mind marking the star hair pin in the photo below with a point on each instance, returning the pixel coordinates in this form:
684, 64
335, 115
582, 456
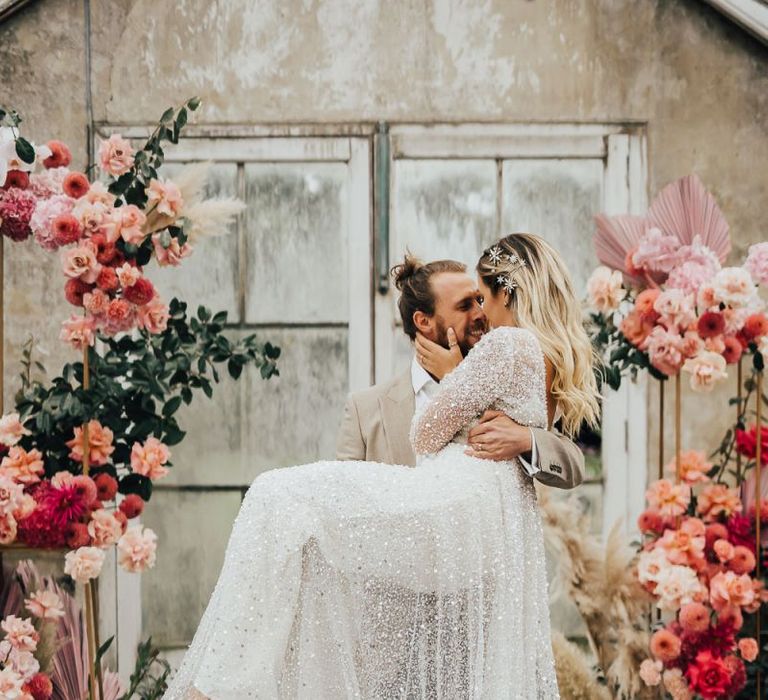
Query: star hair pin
494, 255
507, 283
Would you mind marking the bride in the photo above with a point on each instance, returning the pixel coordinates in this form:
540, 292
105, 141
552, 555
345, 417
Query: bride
365, 580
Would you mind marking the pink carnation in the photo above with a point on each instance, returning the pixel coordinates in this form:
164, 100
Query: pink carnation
84, 564
20, 633
665, 350
16, 210
96, 303
48, 183
45, 604
104, 528
79, 331
137, 549
757, 262
148, 459
675, 309
120, 317
45, 214
128, 274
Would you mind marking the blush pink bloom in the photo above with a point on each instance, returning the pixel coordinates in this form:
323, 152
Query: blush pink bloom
8, 528
757, 263
650, 672
715, 345
676, 586
728, 589
115, 155
693, 467
604, 289
91, 215
165, 198
11, 429
84, 564
748, 648
692, 344
137, 549
675, 309
96, 303
46, 212
676, 684
119, 317
706, 369
734, 286
173, 254
724, 550
22, 466
705, 299
665, 350
20, 633
656, 251
23, 662
99, 193
11, 684
667, 498
104, 528
99, 441
78, 331
716, 500
636, 328
148, 459
153, 317
681, 547
80, 262
11, 494
46, 605
47, 183
128, 274
650, 564
125, 222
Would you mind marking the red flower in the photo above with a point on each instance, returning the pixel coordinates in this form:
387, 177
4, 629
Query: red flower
66, 229
746, 443
105, 251
132, 505
38, 530
74, 290
75, 185
107, 280
738, 674
60, 155
711, 324
106, 486
77, 535
39, 687
16, 178
733, 350
708, 675
755, 327
66, 504
16, 207
140, 293
650, 522
740, 531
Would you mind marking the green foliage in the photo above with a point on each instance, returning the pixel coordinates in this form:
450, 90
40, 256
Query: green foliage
137, 386
149, 679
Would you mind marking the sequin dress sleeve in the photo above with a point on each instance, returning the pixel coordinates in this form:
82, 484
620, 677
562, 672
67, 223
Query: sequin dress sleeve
502, 365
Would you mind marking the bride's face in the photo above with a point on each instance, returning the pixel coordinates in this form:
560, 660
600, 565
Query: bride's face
495, 306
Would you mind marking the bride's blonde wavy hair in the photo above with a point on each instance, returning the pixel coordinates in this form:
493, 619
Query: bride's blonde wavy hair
542, 298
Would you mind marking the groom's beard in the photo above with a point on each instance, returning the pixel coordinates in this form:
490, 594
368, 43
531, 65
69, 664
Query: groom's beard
464, 344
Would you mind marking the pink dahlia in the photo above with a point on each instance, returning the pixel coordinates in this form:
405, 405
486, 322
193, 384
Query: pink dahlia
66, 504
16, 210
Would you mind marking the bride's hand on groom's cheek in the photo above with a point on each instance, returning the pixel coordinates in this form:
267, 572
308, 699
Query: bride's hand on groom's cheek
436, 359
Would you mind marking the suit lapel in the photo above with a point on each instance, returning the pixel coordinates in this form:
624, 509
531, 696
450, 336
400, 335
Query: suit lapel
397, 408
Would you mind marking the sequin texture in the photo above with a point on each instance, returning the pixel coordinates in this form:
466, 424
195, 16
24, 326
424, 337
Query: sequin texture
364, 580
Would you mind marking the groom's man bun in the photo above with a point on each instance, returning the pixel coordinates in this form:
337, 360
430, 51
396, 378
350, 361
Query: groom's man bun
412, 278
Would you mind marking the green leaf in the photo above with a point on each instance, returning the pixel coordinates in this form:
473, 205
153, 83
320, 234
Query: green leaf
235, 368
167, 115
25, 150
103, 650
758, 362
172, 406
193, 103
181, 119
136, 483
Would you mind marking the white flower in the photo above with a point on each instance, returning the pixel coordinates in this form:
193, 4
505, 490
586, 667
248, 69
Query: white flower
604, 289
11, 429
706, 369
734, 286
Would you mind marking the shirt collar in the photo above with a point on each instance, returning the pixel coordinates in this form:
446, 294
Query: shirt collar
419, 377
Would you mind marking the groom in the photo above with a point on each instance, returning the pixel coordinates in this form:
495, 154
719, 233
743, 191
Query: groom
435, 297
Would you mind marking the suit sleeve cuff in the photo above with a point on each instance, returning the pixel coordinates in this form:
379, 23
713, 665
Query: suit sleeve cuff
532, 468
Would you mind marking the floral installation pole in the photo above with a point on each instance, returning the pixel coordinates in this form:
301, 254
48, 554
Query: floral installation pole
105, 425
664, 302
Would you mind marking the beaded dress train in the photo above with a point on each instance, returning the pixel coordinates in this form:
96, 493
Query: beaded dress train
366, 580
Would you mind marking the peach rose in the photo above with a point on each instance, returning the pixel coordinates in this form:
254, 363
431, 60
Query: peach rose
728, 589
665, 350
104, 528
11, 429
153, 317
148, 459
645, 302
128, 274
717, 499
706, 370
675, 309
116, 155
91, 215
125, 222
693, 467
604, 289
98, 193
22, 466
748, 648
99, 440
650, 565
46, 605
137, 549
20, 633
78, 331
84, 564
165, 198
8, 528
635, 328
681, 547
724, 550
667, 498
80, 262
650, 671
173, 254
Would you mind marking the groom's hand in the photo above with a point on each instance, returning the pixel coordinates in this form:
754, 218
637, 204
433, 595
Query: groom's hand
498, 437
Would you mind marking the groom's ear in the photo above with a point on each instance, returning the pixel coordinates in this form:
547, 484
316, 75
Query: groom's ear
424, 324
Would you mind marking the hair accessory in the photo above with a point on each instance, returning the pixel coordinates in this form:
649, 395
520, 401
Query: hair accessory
506, 279
494, 254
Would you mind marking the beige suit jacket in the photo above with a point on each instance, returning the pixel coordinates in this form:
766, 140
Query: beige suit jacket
377, 421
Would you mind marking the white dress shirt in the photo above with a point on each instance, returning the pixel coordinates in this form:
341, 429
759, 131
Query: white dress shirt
424, 389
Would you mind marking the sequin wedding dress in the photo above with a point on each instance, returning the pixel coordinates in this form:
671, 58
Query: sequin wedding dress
365, 580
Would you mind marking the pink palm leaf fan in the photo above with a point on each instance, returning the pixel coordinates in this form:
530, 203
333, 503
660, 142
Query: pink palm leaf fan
616, 237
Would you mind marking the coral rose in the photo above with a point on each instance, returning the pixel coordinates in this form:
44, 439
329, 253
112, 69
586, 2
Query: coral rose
728, 589
148, 459
60, 156
733, 350
716, 500
694, 618
667, 498
665, 645
153, 317
99, 440
81, 262
693, 467
743, 560
635, 328
116, 155
22, 466
120, 316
